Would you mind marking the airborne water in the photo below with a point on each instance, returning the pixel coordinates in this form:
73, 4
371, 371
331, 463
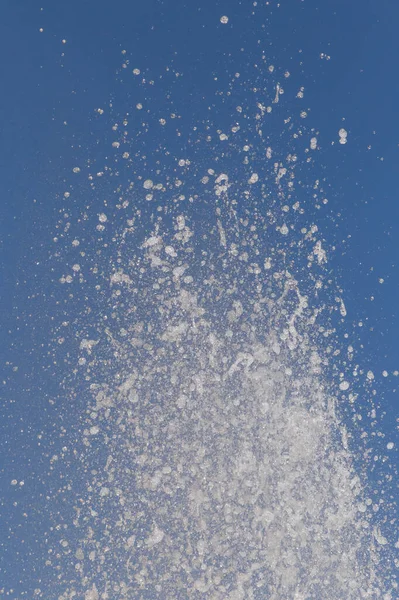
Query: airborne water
211, 457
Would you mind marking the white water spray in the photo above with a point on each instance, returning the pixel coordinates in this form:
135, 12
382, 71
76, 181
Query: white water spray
214, 460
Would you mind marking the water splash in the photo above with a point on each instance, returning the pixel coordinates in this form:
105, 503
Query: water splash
212, 452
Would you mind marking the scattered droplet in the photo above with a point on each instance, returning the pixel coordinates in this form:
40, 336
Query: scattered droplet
343, 135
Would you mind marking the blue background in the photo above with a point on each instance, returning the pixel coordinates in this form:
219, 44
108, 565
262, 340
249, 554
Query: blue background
46, 82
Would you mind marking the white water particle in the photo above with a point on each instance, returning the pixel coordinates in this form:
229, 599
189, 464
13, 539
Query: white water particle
380, 539
344, 385
148, 184
343, 135
102, 217
390, 445
136, 71
170, 251
156, 537
178, 271
152, 241
320, 253
181, 401
92, 594
224, 19
88, 345
370, 375
253, 179
284, 229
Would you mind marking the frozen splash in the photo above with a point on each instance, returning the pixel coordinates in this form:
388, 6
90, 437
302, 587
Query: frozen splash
212, 457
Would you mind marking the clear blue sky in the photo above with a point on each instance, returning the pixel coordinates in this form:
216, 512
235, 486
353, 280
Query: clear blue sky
46, 82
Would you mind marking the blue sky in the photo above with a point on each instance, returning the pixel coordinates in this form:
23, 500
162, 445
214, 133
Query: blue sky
47, 82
